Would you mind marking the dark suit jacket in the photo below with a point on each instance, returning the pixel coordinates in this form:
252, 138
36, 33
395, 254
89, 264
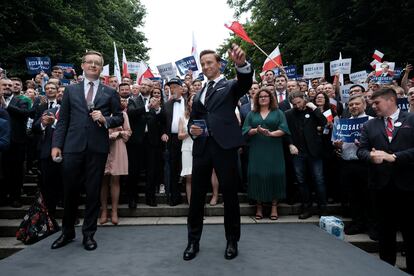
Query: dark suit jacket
312, 138
285, 105
19, 112
399, 173
244, 110
137, 119
244, 99
4, 130
219, 113
44, 146
76, 131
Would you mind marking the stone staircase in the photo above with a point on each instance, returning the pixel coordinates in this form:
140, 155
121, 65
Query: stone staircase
164, 214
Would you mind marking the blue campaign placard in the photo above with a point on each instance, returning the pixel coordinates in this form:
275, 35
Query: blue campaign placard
185, 64
403, 104
36, 65
348, 130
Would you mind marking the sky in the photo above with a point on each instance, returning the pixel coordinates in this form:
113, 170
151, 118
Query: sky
169, 25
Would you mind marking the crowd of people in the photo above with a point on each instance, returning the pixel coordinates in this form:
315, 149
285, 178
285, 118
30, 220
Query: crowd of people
154, 129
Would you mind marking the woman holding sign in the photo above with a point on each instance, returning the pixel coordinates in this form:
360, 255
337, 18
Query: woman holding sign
265, 126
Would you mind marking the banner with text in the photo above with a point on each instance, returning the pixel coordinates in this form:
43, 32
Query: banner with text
348, 130
344, 90
185, 64
358, 77
403, 104
37, 64
341, 66
382, 80
167, 70
314, 70
134, 67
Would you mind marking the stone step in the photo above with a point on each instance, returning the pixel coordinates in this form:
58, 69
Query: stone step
164, 210
9, 246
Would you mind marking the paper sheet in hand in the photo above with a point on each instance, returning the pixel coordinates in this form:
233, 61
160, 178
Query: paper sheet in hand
203, 125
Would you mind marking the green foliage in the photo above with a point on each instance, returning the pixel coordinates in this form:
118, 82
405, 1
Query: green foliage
317, 30
64, 29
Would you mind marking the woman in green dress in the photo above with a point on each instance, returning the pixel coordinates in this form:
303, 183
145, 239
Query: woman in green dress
265, 126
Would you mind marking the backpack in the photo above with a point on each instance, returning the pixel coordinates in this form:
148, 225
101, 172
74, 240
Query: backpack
37, 223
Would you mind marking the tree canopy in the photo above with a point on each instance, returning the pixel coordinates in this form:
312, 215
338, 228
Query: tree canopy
64, 29
311, 31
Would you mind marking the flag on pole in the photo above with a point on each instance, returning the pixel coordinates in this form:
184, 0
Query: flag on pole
341, 76
194, 53
144, 72
125, 72
374, 63
273, 60
328, 115
237, 28
117, 71
105, 74
377, 55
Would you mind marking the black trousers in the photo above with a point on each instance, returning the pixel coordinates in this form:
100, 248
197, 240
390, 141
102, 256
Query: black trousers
82, 169
224, 162
134, 169
13, 171
174, 147
395, 212
51, 185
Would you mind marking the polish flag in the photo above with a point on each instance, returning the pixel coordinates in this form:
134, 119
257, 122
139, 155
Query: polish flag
377, 55
374, 63
274, 60
237, 28
125, 72
328, 115
105, 74
117, 71
144, 72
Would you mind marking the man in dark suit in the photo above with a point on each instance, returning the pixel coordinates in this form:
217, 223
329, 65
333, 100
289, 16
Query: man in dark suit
13, 159
4, 129
174, 109
305, 143
387, 143
88, 110
247, 103
216, 146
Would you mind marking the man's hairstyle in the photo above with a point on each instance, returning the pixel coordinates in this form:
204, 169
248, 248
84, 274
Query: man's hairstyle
56, 68
272, 104
206, 52
357, 85
273, 72
16, 79
385, 92
112, 76
52, 83
296, 94
317, 79
88, 53
124, 84
196, 80
281, 76
354, 97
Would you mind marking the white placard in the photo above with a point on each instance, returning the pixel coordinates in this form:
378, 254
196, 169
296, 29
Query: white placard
358, 77
314, 70
167, 70
341, 66
345, 91
134, 67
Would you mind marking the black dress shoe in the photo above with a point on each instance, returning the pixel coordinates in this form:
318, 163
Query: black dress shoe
175, 202
89, 243
63, 240
132, 204
231, 250
191, 251
306, 214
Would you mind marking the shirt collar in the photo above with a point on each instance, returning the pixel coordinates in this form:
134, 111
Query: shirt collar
394, 116
216, 80
95, 82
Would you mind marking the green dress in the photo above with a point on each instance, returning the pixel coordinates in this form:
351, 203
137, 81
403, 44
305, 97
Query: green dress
266, 171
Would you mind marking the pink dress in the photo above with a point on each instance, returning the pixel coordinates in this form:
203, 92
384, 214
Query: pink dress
117, 162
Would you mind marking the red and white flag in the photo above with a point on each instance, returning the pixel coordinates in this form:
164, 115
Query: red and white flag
374, 63
274, 60
125, 72
117, 70
144, 72
237, 28
328, 115
105, 74
377, 55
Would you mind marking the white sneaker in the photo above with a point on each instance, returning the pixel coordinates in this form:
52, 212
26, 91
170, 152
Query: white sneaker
162, 189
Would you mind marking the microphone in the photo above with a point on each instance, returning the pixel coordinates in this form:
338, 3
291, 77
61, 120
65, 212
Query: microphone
91, 108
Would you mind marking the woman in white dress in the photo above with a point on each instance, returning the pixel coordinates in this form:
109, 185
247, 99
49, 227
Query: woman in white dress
187, 147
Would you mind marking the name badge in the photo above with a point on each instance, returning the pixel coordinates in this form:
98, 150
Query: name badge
307, 116
397, 124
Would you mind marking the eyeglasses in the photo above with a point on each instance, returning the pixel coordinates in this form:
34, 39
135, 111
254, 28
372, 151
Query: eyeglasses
263, 97
94, 63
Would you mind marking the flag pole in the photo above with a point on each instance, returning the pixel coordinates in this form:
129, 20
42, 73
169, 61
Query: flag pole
257, 46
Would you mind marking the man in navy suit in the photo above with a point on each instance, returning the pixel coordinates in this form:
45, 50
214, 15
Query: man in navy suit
81, 138
217, 147
387, 143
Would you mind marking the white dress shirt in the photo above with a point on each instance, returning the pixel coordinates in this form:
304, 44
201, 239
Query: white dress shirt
178, 112
86, 87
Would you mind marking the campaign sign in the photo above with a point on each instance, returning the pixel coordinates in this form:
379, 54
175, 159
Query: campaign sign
223, 64
314, 70
67, 68
167, 70
383, 80
134, 67
37, 64
397, 72
185, 64
290, 71
341, 66
345, 92
348, 130
403, 104
358, 77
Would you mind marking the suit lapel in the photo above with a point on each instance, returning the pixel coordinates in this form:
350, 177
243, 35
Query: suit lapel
381, 127
397, 125
218, 86
99, 94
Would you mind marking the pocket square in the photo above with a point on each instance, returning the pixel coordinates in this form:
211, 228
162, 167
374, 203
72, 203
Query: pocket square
405, 126
221, 88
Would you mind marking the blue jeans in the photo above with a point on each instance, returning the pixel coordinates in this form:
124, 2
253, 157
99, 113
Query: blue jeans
301, 163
